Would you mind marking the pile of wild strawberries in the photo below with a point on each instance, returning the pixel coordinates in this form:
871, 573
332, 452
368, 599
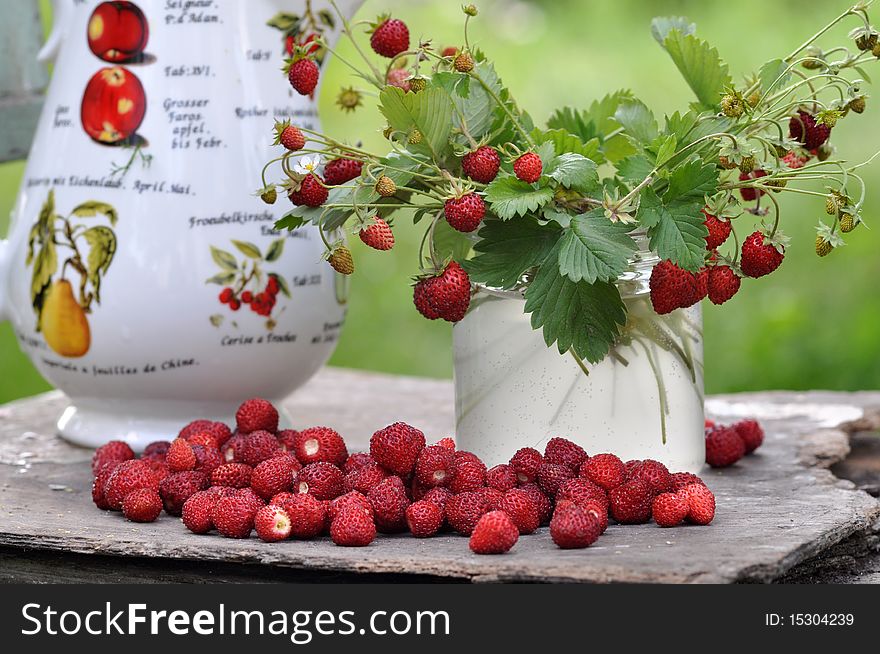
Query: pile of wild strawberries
302, 484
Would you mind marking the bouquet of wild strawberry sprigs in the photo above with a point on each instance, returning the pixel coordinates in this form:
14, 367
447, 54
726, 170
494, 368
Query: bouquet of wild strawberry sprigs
551, 212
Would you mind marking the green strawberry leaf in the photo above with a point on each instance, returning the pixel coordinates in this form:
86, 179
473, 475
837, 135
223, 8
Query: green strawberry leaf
507, 250
675, 230
565, 141
509, 197
290, 221
699, 64
773, 75
430, 112
691, 179
634, 168
637, 120
450, 243
661, 26
574, 171
593, 248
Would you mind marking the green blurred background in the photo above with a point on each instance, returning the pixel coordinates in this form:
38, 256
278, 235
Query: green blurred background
812, 324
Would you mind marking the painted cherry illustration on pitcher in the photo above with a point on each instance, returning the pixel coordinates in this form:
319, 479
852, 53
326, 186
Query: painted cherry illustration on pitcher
118, 32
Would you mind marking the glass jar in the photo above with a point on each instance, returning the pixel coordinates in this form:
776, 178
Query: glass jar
643, 401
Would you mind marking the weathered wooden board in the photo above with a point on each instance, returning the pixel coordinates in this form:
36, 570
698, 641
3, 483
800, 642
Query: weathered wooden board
776, 509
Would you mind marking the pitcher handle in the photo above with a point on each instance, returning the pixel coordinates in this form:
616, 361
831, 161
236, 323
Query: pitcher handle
5, 259
60, 20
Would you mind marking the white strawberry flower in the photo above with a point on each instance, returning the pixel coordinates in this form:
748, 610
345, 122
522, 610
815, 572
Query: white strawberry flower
307, 164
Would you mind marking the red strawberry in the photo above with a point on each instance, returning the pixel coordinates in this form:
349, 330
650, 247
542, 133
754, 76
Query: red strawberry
701, 504
292, 138
208, 459
482, 164
435, 466
464, 510
494, 533
491, 497
501, 477
724, 447
126, 477
311, 192
142, 505
399, 77
598, 510
750, 194
751, 433
390, 38
364, 479
396, 447
803, 128
545, 506
605, 470
356, 461
352, 528
551, 476
303, 76
256, 447
178, 487
448, 443
256, 414
342, 170
233, 516
114, 451
100, 484
439, 496
630, 503
378, 235
564, 452
272, 523
180, 456
323, 480
320, 444
273, 476
759, 258
445, 296
521, 508
526, 462
672, 287
352, 499
654, 474
465, 213
702, 278
234, 475
470, 473
723, 284
719, 230
156, 451
424, 518
308, 515
669, 509
286, 438
573, 527
528, 167
682, 479
196, 513
580, 491
389, 505
220, 432
794, 160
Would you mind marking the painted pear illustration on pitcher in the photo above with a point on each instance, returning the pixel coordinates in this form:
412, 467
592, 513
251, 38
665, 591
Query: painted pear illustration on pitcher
63, 321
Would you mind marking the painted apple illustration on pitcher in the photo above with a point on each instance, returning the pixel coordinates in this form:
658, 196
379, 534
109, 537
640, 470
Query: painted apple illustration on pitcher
118, 32
113, 105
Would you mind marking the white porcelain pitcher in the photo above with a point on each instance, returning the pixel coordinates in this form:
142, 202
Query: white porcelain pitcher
142, 274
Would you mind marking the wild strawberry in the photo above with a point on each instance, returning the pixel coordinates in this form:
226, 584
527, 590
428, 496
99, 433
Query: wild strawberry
521, 508
399, 77
291, 137
352, 499
234, 475
445, 296
528, 167
724, 447
365, 478
463, 62
396, 447
352, 528
564, 452
320, 444
482, 164
196, 513
751, 434
435, 466
303, 76
573, 527
220, 432
424, 518
759, 256
356, 461
439, 495
449, 51
255, 500
308, 515
501, 477
389, 505
794, 160
723, 284
272, 523
311, 192
464, 510
448, 443
178, 487
256, 414
551, 476
491, 497
323, 480
126, 477
233, 516
630, 503
526, 462
465, 213
719, 230
470, 473
273, 476
750, 193
682, 479
494, 533
341, 261
701, 504
378, 235
654, 474
385, 186
803, 128
390, 37
99, 484
669, 509
702, 277
672, 287
605, 470
545, 506
255, 447
208, 459
580, 491
142, 505
341, 170
114, 451
180, 456
156, 451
